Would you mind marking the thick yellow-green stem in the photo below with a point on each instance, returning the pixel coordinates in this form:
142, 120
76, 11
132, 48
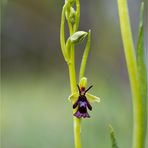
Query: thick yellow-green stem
71, 62
77, 132
72, 75
138, 114
76, 121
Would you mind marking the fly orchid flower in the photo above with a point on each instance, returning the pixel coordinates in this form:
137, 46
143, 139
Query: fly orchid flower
82, 100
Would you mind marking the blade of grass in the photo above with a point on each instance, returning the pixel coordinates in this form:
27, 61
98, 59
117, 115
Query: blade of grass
112, 137
141, 65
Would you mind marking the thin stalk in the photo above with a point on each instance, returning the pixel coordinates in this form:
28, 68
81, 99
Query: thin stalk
76, 121
138, 114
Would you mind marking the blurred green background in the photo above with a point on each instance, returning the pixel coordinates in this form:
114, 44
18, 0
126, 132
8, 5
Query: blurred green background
35, 81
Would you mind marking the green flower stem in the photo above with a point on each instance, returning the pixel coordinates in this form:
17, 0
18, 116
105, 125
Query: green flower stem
77, 130
72, 73
70, 28
76, 121
70, 59
138, 131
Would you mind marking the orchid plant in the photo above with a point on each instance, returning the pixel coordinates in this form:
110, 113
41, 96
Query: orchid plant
80, 98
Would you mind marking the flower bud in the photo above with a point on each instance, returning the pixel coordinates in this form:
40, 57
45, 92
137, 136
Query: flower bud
72, 15
78, 37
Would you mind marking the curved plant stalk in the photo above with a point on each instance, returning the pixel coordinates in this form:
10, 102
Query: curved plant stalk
138, 108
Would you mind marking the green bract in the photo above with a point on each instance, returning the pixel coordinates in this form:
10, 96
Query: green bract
78, 37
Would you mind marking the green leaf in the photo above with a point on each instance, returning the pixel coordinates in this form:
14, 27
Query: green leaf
141, 63
112, 137
78, 37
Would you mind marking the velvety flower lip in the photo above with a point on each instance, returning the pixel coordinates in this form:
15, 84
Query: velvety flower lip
82, 104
